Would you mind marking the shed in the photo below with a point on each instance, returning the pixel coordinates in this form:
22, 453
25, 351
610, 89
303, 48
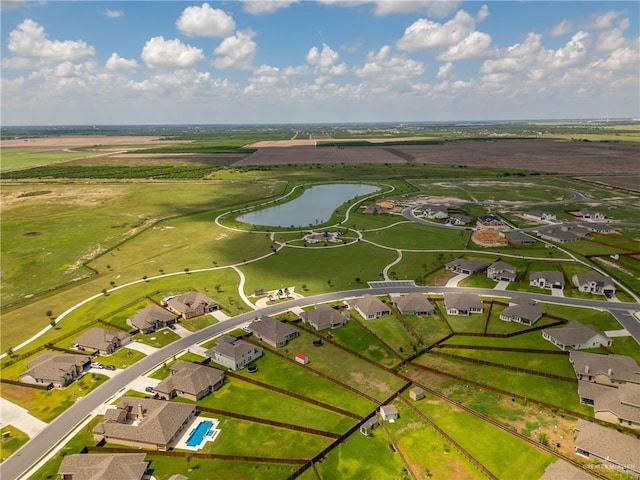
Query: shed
369, 425
416, 393
389, 413
302, 358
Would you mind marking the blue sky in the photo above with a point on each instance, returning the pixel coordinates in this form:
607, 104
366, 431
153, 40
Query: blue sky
266, 61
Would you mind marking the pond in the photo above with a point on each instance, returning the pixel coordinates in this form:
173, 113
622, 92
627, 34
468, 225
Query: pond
313, 207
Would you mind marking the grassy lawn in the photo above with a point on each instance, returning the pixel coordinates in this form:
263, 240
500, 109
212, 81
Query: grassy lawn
198, 323
413, 236
496, 325
362, 457
473, 323
165, 370
391, 331
16, 439
158, 339
626, 346
47, 405
241, 397
280, 373
197, 469
346, 368
431, 328
477, 281
532, 340
589, 316
487, 443
123, 358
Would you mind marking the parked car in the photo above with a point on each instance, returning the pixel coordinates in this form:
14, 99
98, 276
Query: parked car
172, 326
96, 365
149, 389
109, 367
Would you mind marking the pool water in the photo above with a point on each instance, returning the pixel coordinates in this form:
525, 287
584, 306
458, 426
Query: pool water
196, 437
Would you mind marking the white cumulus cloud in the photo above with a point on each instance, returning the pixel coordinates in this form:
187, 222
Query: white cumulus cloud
236, 51
562, 28
158, 52
30, 40
205, 21
445, 71
261, 7
324, 58
116, 62
384, 67
113, 13
425, 34
436, 8
476, 45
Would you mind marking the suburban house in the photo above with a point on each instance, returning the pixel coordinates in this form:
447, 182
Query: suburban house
615, 405
389, 413
502, 272
439, 212
191, 381
519, 238
608, 446
558, 235
576, 336
104, 341
272, 331
462, 265
599, 227
416, 393
458, 219
369, 307
60, 369
369, 425
595, 282
323, 317
548, 279
192, 304
540, 216
522, 310
589, 215
123, 466
561, 470
145, 423
605, 369
374, 209
492, 222
462, 303
233, 353
152, 318
414, 304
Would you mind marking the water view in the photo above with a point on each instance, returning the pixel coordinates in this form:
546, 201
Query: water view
313, 207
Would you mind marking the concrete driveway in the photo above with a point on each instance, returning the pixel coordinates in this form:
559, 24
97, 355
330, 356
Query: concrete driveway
20, 418
141, 347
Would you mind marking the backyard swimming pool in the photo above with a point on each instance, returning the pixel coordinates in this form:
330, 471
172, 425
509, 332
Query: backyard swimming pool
198, 435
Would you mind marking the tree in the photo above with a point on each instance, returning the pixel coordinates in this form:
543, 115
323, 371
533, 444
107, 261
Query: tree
542, 438
186, 270
52, 322
104, 292
144, 277
49, 313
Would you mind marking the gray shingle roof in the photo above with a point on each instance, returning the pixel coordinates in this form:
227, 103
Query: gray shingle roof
561, 470
526, 311
271, 330
369, 305
101, 338
604, 442
190, 378
618, 401
593, 277
462, 301
623, 368
232, 347
550, 276
573, 333
189, 301
147, 316
323, 316
414, 302
123, 466
465, 264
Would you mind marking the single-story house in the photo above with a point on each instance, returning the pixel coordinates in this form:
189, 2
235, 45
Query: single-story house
272, 331
595, 282
369, 425
458, 219
605, 369
462, 303
192, 304
576, 336
561, 470
416, 393
191, 381
599, 227
439, 212
323, 317
414, 304
547, 279
233, 353
145, 423
123, 466
502, 272
615, 405
540, 216
152, 318
608, 446
462, 265
519, 238
369, 307
60, 369
559, 235
104, 341
522, 310
590, 215
389, 413
491, 221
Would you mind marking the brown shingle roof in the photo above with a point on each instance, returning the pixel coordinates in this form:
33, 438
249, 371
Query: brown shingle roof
190, 378
149, 315
414, 302
124, 466
623, 368
231, 347
573, 333
53, 366
101, 338
462, 301
271, 330
323, 316
606, 443
369, 305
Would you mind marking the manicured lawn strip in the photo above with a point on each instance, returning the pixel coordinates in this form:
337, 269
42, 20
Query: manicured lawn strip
555, 364
412, 236
158, 339
239, 437
431, 328
47, 405
555, 392
16, 439
362, 457
200, 469
626, 346
339, 265
346, 368
358, 339
477, 281
486, 442
600, 320
428, 453
473, 323
123, 358
391, 330
198, 323
280, 373
532, 340
240, 397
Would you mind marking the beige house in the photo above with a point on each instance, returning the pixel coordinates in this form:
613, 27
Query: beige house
462, 265
605, 369
152, 318
60, 369
272, 331
145, 423
233, 353
191, 381
522, 310
615, 405
323, 317
104, 341
192, 304
369, 307
608, 446
462, 303
576, 336
414, 304
121, 466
